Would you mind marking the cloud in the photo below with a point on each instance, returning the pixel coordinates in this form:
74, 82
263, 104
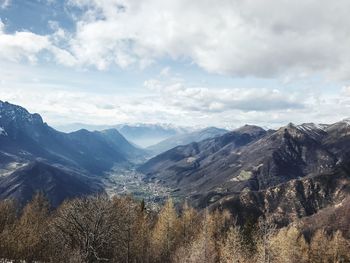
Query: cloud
207, 100
60, 99
345, 91
268, 38
4, 4
238, 38
170, 100
19, 45
25, 45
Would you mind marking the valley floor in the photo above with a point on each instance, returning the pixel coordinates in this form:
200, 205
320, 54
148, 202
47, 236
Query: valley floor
126, 180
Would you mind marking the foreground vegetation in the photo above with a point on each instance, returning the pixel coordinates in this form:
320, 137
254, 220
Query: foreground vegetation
99, 229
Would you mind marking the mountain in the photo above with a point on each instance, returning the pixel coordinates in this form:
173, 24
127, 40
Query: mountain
72, 127
27, 136
140, 134
29, 148
56, 183
200, 166
250, 160
297, 172
146, 135
186, 138
316, 200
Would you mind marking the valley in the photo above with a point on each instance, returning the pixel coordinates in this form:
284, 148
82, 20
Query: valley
174, 131
238, 170
128, 181
294, 175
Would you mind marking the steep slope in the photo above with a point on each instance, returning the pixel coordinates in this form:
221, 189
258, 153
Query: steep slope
26, 136
313, 199
56, 183
331, 218
35, 157
251, 159
113, 137
186, 138
338, 138
201, 165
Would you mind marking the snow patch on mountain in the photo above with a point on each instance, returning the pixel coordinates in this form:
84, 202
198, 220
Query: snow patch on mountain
2, 131
312, 129
307, 127
346, 121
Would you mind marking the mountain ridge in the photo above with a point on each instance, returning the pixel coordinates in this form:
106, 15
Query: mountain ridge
291, 152
28, 146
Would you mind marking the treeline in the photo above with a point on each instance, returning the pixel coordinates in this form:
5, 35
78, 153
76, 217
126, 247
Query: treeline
121, 229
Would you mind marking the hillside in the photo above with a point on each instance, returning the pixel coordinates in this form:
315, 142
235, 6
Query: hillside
186, 138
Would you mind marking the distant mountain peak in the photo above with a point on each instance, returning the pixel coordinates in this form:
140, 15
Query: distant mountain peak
250, 129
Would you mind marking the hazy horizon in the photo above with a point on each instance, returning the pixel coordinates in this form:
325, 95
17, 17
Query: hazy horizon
191, 64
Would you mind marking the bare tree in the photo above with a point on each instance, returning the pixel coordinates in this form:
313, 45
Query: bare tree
86, 227
231, 247
288, 245
263, 244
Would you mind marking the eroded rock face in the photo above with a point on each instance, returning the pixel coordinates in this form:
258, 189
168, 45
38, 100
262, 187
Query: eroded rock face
294, 199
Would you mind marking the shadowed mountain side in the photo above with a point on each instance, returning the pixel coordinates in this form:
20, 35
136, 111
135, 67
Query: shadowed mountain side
57, 184
25, 135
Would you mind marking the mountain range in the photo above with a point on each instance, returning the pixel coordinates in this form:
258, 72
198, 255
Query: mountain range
29, 149
289, 173
141, 134
296, 172
185, 138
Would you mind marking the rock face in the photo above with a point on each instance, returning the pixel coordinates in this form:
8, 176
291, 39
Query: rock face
289, 201
289, 173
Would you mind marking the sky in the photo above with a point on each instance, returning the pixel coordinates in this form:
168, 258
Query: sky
200, 62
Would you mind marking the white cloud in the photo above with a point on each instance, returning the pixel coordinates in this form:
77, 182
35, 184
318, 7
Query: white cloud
234, 37
21, 45
4, 4
25, 45
169, 100
239, 38
345, 91
205, 100
271, 38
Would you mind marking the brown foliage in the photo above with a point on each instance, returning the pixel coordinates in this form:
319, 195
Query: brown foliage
121, 229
